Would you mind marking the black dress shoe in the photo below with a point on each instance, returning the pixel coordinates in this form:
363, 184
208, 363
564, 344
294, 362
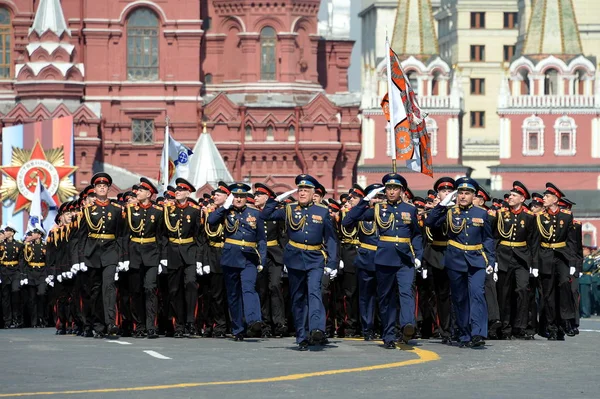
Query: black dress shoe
552, 336
389, 345
152, 334
190, 330
238, 337
280, 330
140, 334
99, 335
408, 332
446, 341
178, 334
465, 344
219, 334
317, 336
114, 330
255, 329
477, 342
303, 346
266, 333
88, 333
61, 332
368, 336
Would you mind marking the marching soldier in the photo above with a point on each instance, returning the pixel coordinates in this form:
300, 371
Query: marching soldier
585, 282
269, 282
578, 240
100, 229
517, 253
424, 293
310, 252
184, 255
557, 263
145, 238
399, 253
244, 255
35, 274
11, 251
469, 256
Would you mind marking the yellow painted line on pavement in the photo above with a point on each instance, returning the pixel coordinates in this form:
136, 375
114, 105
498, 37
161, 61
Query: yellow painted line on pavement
424, 356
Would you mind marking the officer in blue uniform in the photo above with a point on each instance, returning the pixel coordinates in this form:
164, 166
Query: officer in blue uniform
311, 251
244, 255
469, 256
368, 237
399, 252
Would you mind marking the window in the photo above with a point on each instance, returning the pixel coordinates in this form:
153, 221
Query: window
413, 81
579, 82
432, 129
270, 135
477, 53
207, 22
589, 234
588, 239
524, 77
477, 20
208, 79
510, 20
5, 43
509, 52
435, 86
268, 40
248, 134
551, 82
143, 131
291, 133
533, 136
565, 133
478, 86
142, 45
477, 118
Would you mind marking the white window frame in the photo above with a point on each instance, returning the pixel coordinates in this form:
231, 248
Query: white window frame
533, 124
589, 228
565, 124
432, 129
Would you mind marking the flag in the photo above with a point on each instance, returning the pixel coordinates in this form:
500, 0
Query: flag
43, 208
175, 159
410, 141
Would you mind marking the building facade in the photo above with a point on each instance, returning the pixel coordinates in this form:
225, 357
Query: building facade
271, 90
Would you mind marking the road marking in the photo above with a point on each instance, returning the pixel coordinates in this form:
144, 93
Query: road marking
157, 355
424, 356
589, 330
119, 342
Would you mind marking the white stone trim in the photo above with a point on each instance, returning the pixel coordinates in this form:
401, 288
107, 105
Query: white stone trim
590, 228
432, 129
150, 5
452, 138
558, 130
533, 124
505, 138
596, 138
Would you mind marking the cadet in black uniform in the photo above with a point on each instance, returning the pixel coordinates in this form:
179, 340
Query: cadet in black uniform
35, 274
101, 226
11, 252
145, 238
184, 254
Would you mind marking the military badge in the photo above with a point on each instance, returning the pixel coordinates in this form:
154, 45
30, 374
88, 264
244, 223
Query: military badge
562, 223
109, 215
188, 218
522, 224
152, 218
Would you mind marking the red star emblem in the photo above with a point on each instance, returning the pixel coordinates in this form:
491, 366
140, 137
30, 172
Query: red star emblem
23, 175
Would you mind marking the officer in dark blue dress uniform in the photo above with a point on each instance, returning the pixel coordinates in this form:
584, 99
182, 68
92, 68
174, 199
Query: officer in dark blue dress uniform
244, 255
399, 251
311, 251
469, 255
368, 237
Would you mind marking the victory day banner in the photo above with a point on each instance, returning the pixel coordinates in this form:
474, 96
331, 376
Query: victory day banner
36, 152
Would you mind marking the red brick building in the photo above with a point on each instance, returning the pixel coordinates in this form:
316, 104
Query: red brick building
273, 93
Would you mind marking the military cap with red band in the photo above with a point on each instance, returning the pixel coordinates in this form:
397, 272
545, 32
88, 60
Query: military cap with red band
431, 195
357, 191
260, 188
552, 189
481, 193
520, 188
222, 188
444, 183
419, 202
147, 185
101, 178
334, 205
183, 184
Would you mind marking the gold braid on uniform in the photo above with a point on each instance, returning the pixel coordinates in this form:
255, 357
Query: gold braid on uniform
3, 254
365, 231
232, 228
138, 229
453, 228
96, 228
345, 233
28, 253
501, 230
168, 222
428, 233
546, 234
379, 221
290, 219
213, 234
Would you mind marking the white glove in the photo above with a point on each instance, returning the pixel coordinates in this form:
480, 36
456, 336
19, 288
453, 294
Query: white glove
69, 275
571, 270
22, 282
373, 194
285, 269
47, 280
199, 268
535, 272
126, 265
163, 262
332, 274
496, 267
26, 281
160, 269
327, 271
206, 269
424, 274
495, 277
59, 278
120, 266
228, 201
489, 270
530, 270
83, 267
283, 196
51, 277
0, 281
117, 276
341, 264
75, 267
259, 268
51, 283
74, 272
449, 200
417, 264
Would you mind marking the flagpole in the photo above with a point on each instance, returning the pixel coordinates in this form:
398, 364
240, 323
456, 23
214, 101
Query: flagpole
390, 106
165, 165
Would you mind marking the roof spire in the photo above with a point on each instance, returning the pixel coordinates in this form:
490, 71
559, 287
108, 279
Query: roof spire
552, 29
207, 164
414, 29
49, 17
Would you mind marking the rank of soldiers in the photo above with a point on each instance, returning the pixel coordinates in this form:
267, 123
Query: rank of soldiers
379, 264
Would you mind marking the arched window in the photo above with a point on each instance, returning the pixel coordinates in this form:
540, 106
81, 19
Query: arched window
5, 43
551, 82
589, 234
248, 134
268, 40
435, 84
432, 129
565, 132
525, 89
208, 79
291, 133
533, 136
414, 82
142, 45
270, 134
578, 84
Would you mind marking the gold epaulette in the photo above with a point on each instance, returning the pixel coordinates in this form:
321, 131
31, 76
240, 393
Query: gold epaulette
568, 212
576, 222
491, 212
193, 206
160, 208
527, 211
116, 205
322, 206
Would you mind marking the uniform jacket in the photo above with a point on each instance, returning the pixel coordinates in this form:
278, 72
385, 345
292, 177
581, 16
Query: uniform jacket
144, 223
215, 242
368, 237
11, 252
34, 262
183, 222
515, 228
556, 229
99, 234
